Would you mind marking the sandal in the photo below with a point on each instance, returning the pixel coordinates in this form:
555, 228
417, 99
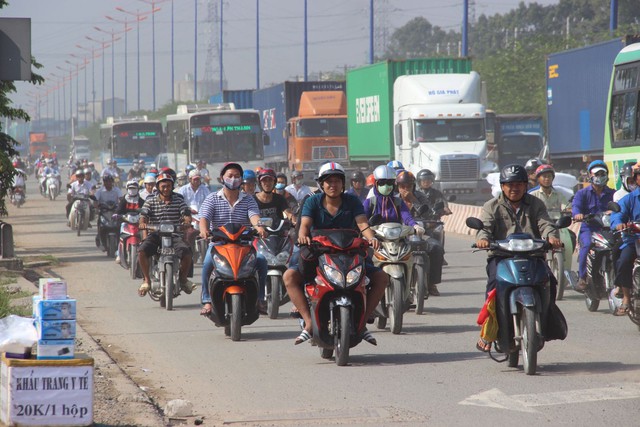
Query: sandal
483, 345
623, 310
303, 337
366, 336
206, 309
143, 289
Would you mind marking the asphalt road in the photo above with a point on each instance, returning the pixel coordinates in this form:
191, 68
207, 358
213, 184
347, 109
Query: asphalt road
430, 374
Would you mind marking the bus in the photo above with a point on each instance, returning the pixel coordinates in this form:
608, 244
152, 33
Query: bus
216, 134
129, 139
622, 124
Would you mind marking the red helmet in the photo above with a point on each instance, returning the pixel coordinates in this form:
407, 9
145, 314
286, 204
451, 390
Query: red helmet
266, 172
371, 181
545, 168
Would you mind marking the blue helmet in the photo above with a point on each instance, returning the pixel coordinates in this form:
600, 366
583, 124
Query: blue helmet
598, 164
189, 168
396, 165
248, 175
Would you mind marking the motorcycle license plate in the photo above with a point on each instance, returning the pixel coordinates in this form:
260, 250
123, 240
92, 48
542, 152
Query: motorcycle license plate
167, 251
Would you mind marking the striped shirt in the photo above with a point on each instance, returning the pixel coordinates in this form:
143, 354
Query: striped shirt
161, 211
217, 210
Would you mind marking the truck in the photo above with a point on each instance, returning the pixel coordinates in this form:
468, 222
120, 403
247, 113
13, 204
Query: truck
319, 132
240, 98
426, 113
577, 90
38, 144
81, 148
277, 104
518, 138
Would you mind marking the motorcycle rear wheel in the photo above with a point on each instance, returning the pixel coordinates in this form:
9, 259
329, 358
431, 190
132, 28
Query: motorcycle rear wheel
614, 302
236, 317
420, 287
529, 343
273, 301
396, 306
112, 244
168, 289
592, 302
343, 336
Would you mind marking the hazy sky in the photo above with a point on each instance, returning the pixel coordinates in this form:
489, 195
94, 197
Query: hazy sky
338, 36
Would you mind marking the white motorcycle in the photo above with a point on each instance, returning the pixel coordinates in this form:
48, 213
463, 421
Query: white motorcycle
52, 186
80, 213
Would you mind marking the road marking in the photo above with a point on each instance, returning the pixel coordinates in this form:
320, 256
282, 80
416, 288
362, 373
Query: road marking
495, 398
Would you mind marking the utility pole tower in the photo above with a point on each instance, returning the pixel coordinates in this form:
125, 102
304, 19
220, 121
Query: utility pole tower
211, 30
381, 27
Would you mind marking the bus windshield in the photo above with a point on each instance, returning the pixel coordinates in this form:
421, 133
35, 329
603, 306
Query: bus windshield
449, 130
322, 127
226, 137
133, 140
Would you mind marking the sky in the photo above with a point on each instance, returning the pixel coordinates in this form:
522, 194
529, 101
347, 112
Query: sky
338, 37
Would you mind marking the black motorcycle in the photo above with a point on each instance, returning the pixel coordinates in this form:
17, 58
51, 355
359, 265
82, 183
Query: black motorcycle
108, 228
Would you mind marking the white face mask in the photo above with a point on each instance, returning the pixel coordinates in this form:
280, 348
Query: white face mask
385, 190
132, 192
232, 183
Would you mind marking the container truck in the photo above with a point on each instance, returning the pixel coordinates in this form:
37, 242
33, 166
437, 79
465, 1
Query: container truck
277, 104
577, 91
38, 144
241, 99
518, 138
319, 132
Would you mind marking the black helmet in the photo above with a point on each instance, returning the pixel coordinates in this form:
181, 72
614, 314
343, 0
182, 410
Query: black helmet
357, 176
626, 171
425, 174
513, 173
533, 164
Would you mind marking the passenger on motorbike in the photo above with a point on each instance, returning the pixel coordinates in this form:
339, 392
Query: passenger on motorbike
590, 200
297, 188
332, 209
111, 169
396, 165
627, 180
78, 188
271, 205
281, 185
357, 186
181, 180
194, 194
249, 182
230, 205
531, 166
131, 202
149, 183
166, 206
513, 211
88, 177
201, 167
19, 182
105, 195
629, 211
425, 180
417, 202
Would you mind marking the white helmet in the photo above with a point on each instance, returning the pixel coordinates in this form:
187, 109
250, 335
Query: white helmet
328, 169
132, 183
384, 172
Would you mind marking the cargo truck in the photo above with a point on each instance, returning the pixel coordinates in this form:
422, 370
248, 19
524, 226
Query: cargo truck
38, 144
577, 91
278, 104
319, 132
242, 99
518, 138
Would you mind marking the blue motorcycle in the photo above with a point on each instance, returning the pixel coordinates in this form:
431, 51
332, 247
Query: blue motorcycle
523, 297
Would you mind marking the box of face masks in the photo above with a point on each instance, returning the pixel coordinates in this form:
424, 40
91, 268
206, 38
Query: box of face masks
52, 288
55, 329
55, 309
56, 349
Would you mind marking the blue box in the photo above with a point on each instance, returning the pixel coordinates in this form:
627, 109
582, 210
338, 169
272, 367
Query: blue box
55, 309
56, 329
56, 349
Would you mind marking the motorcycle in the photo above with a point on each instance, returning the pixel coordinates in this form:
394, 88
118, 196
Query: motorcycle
107, 237
633, 227
200, 246
128, 244
560, 260
17, 196
233, 284
395, 258
337, 296
52, 186
523, 297
277, 249
79, 213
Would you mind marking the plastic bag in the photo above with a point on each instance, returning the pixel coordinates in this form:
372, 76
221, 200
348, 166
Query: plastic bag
17, 334
487, 318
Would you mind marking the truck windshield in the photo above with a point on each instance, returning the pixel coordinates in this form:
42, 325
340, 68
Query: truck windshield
449, 130
322, 127
520, 144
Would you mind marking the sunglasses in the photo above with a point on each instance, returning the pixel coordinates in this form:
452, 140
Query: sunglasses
386, 182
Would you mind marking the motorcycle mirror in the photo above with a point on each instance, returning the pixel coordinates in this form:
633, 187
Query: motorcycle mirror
474, 223
563, 222
613, 206
265, 222
375, 219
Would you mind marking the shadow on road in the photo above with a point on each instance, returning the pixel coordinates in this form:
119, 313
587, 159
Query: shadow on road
439, 329
412, 358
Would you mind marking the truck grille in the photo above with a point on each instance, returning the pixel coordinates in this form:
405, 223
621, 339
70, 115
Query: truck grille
329, 153
459, 169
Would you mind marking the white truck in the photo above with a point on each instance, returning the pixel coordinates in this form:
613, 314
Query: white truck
439, 124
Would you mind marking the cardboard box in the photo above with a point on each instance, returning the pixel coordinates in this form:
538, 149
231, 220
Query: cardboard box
55, 329
47, 392
52, 288
55, 309
55, 349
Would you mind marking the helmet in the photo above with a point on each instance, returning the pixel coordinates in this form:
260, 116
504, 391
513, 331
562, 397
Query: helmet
598, 164
164, 177
327, 170
298, 174
107, 177
86, 171
189, 168
153, 165
405, 177
395, 164
91, 164
384, 172
257, 170
248, 175
79, 172
149, 178
627, 171
513, 173
229, 165
545, 168
357, 176
532, 165
370, 181
132, 184
181, 176
425, 174
141, 162
153, 170
170, 172
267, 172
194, 174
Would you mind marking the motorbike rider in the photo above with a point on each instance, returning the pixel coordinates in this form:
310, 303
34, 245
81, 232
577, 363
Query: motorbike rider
590, 200
181, 180
627, 180
396, 165
271, 205
131, 202
19, 181
629, 211
297, 189
415, 200
194, 194
201, 167
229, 204
111, 169
108, 193
531, 166
332, 209
357, 185
249, 182
47, 169
78, 188
165, 206
137, 171
514, 210
425, 180
88, 177
149, 183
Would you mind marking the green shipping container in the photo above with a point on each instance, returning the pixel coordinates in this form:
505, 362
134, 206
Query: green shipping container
370, 102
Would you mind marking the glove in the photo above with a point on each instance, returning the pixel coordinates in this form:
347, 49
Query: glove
419, 230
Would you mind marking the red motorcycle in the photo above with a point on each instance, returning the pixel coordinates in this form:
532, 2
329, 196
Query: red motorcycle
128, 244
337, 297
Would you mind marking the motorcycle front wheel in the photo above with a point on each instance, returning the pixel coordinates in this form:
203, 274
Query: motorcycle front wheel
78, 222
236, 317
529, 343
591, 297
133, 262
420, 287
112, 244
168, 286
343, 336
273, 302
396, 306
557, 265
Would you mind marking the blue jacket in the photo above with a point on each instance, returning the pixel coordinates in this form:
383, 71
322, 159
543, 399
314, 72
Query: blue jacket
586, 201
629, 211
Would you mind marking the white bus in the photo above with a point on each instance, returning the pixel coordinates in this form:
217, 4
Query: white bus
130, 139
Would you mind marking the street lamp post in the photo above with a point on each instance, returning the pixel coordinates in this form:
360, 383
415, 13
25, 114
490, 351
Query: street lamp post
70, 71
126, 29
64, 102
77, 65
103, 46
113, 66
93, 80
85, 62
153, 45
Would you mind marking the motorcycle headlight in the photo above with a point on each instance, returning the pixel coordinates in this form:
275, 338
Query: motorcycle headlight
606, 220
282, 257
248, 265
133, 218
392, 233
520, 245
354, 275
167, 228
266, 253
333, 275
221, 266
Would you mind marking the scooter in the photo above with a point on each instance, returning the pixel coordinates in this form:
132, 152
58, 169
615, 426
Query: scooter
523, 296
233, 284
128, 244
79, 213
277, 249
17, 196
53, 186
634, 307
337, 296
107, 237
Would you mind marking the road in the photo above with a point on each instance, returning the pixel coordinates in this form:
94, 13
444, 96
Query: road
431, 373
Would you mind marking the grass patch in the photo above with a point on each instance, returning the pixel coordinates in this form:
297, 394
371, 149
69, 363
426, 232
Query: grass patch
48, 258
8, 294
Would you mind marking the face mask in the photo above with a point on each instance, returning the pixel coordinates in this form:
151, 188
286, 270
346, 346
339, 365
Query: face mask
599, 180
280, 186
232, 183
132, 192
385, 190
632, 187
298, 181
